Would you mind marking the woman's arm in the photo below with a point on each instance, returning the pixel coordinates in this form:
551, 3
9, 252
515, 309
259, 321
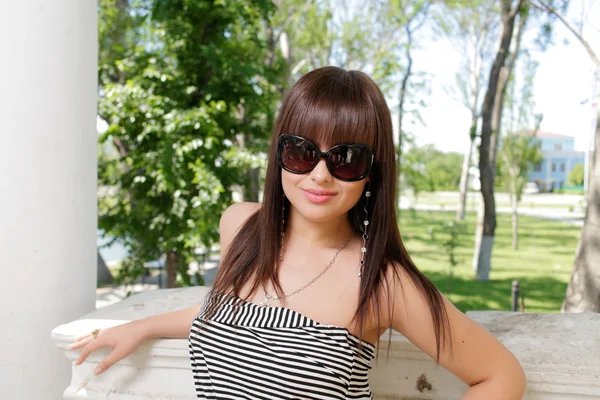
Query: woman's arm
478, 358
172, 325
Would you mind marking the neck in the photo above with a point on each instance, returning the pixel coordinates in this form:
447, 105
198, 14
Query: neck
331, 233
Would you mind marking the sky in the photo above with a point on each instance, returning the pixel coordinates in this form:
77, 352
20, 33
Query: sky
563, 81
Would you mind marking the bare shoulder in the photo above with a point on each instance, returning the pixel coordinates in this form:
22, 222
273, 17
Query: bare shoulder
237, 213
470, 352
232, 219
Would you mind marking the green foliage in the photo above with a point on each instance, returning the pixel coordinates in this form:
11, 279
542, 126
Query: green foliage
413, 171
371, 37
429, 169
180, 83
304, 33
576, 176
443, 170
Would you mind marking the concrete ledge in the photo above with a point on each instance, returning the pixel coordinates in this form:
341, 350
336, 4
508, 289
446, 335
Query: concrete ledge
559, 352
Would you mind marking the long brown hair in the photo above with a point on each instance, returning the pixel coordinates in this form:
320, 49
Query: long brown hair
330, 105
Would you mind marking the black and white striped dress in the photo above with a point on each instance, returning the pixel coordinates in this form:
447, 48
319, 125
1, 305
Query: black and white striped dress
274, 353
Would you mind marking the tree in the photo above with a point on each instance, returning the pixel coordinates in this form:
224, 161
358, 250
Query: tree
417, 15
471, 27
520, 150
426, 168
583, 291
513, 15
443, 170
301, 33
414, 172
440, 171
189, 79
576, 175
519, 154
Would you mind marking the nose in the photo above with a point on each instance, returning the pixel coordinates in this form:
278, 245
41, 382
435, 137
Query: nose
320, 173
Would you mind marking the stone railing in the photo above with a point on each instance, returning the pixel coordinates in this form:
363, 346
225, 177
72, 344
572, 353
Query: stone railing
559, 352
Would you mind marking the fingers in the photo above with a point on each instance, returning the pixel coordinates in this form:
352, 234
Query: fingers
112, 358
83, 340
78, 338
91, 346
80, 343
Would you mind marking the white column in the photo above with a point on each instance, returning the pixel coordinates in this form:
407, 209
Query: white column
48, 86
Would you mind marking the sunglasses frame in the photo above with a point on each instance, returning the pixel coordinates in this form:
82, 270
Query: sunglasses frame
324, 155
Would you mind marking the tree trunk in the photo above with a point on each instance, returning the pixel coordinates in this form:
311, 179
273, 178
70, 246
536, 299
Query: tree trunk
478, 234
491, 122
515, 220
402, 97
171, 265
254, 186
251, 188
286, 52
464, 175
583, 292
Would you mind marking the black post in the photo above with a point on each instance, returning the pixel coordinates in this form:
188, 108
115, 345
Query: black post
515, 295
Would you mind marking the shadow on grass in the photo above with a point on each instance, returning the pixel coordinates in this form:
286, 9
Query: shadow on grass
541, 293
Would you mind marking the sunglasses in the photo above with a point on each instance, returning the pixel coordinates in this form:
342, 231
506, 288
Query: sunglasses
346, 162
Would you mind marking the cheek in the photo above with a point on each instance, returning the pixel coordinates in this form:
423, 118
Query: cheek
289, 181
352, 193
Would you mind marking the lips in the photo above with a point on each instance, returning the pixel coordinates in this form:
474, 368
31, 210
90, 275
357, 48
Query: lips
319, 192
318, 196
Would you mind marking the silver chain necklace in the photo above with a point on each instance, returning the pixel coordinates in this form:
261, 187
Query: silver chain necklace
268, 297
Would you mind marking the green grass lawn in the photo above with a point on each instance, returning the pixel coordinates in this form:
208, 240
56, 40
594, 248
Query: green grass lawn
542, 264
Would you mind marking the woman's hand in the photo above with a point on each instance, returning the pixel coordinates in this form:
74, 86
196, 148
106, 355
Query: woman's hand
124, 339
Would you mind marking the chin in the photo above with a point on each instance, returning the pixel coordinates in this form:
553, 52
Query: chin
317, 212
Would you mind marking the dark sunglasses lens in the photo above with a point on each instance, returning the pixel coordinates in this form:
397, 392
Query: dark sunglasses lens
348, 162
297, 154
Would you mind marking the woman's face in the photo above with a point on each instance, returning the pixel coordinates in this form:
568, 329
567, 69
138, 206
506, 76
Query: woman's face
318, 196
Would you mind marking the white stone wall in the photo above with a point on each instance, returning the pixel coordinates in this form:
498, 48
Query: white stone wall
560, 354
48, 58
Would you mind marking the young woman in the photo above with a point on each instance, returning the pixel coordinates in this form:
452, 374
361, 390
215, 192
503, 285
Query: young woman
312, 277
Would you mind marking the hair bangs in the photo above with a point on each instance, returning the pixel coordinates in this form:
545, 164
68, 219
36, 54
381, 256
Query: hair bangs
329, 110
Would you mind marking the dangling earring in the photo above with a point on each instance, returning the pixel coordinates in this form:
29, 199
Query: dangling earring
365, 236
282, 227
